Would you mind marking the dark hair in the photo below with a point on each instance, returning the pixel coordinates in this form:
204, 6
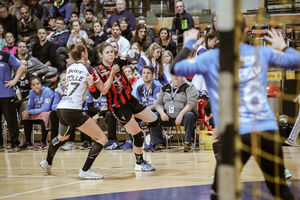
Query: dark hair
123, 19
76, 50
77, 20
98, 22
33, 78
148, 67
76, 13
60, 19
25, 6
163, 29
210, 36
136, 35
116, 23
89, 10
4, 32
100, 47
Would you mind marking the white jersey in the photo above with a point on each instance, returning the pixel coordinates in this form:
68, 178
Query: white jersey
76, 88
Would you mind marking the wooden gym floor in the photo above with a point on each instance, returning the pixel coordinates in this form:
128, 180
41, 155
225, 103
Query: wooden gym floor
178, 175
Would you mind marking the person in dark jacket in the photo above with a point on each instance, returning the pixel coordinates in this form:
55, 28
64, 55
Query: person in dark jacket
166, 42
61, 8
9, 21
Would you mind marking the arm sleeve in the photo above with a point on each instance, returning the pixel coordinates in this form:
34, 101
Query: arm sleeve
108, 23
57, 98
289, 59
132, 22
192, 95
190, 22
46, 105
140, 65
13, 61
173, 29
68, 14
159, 102
30, 105
137, 94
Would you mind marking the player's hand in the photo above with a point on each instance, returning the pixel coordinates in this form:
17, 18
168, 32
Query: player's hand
89, 79
25, 115
174, 37
115, 69
191, 34
59, 90
10, 83
276, 39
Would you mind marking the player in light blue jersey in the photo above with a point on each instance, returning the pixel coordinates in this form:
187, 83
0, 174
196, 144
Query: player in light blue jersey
255, 115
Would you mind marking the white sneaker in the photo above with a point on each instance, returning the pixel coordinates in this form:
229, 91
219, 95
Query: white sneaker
69, 146
145, 166
290, 142
89, 175
46, 167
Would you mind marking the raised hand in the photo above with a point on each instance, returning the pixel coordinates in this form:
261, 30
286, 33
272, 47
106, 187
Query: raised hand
276, 39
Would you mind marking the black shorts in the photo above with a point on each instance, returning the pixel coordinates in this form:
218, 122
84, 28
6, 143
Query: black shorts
124, 113
71, 117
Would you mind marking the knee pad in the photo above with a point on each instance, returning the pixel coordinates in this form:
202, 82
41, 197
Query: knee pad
138, 139
154, 123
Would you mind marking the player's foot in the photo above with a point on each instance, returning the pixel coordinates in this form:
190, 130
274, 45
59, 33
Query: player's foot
287, 173
145, 166
89, 175
290, 142
46, 167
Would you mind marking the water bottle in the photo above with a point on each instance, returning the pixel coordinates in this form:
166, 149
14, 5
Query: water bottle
201, 145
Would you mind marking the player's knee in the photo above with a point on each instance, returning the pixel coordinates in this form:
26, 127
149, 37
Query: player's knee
57, 140
63, 138
156, 122
138, 139
101, 140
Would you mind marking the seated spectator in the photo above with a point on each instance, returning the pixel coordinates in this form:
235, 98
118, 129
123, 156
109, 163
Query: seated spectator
2, 37
125, 30
38, 111
74, 17
121, 12
88, 22
141, 37
87, 5
98, 36
51, 26
115, 46
210, 41
123, 43
8, 21
14, 9
35, 67
150, 31
40, 11
22, 89
28, 25
77, 31
61, 8
61, 35
177, 105
181, 22
166, 42
130, 74
147, 93
44, 50
168, 60
153, 58
92, 52
10, 44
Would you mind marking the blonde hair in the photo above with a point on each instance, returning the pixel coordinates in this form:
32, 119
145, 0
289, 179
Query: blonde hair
170, 54
149, 54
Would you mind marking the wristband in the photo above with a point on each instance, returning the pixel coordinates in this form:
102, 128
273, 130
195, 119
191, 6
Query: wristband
92, 88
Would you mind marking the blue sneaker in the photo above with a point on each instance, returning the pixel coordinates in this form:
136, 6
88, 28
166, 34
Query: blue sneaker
109, 143
127, 145
148, 147
14, 149
113, 146
144, 167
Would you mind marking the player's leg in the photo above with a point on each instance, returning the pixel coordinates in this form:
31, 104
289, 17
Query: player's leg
294, 133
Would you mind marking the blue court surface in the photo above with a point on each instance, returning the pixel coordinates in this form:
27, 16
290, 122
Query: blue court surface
198, 192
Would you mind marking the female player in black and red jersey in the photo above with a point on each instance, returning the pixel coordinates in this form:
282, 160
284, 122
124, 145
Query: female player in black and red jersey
122, 104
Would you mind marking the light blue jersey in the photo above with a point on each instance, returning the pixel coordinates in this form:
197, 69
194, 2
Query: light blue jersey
254, 111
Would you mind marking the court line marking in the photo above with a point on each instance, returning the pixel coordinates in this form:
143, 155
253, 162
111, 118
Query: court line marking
57, 186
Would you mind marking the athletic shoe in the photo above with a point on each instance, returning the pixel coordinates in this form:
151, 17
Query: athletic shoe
109, 143
287, 173
40, 146
113, 146
158, 147
46, 167
14, 149
85, 145
127, 145
69, 146
89, 174
187, 147
2, 148
145, 166
148, 147
290, 142
26, 145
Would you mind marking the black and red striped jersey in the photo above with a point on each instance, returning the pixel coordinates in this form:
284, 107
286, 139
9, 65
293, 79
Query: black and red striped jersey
120, 90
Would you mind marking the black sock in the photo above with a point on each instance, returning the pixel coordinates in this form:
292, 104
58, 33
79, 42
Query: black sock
216, 148
93, 153
52, 151
139, 158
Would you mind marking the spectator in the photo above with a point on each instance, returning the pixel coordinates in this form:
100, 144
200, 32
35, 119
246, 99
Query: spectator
61, 8
141, 37
177, 105
35, 67
38, 111
98, 35
115, 46
77, 31
2, 37
168, 59
28, 25
153, 58
150, 32
166, 42
181, 22
123, 43
125, 30
61, 35
44, 50
130, 74
51, 27
74, 17
121, 12
87, 5
39, 11
92, 52
147, 94
14, 9
88, 22
9, 21
211, 40
10, 43
8, 63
